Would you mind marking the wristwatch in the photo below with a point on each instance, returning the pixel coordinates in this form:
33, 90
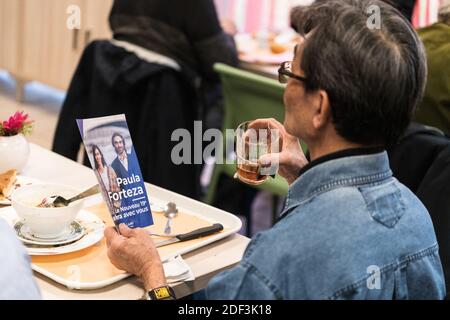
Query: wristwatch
161, 293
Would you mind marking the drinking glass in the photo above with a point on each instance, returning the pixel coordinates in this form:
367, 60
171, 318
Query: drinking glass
252, 142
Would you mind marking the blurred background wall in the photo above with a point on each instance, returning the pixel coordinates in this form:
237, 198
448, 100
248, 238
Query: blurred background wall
273, 15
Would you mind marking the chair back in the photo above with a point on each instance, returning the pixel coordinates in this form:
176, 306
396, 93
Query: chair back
249, 96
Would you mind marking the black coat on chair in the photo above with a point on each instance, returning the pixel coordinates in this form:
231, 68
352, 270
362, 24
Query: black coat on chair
155, 99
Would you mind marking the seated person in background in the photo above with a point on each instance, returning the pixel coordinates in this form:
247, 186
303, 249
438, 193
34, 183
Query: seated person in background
349, 229
16, 277
435, 108
187, 32
158, 71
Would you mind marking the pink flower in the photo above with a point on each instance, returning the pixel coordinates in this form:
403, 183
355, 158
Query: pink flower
16, 124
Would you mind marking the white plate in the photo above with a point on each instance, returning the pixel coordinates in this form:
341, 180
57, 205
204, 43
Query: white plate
73, 233
94, 233
20, 181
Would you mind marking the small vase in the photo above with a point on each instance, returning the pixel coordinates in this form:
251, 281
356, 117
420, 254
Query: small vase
14, 152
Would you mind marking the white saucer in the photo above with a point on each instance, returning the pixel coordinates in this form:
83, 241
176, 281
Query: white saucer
73, 233
93, 226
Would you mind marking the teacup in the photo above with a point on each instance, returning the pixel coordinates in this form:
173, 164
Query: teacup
45, 223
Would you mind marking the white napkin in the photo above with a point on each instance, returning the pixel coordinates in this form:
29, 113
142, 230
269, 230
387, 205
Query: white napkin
177, 270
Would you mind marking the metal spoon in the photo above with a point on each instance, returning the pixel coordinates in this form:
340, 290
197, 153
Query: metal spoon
170, 212
58, 201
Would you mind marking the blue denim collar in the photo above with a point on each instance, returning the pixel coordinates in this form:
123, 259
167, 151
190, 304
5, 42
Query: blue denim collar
347, 171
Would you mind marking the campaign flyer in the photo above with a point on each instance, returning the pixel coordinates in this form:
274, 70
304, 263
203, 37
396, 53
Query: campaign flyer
110, 150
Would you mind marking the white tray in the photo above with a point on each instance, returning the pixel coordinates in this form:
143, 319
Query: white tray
231, 224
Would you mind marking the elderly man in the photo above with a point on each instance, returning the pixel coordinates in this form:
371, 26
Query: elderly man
435, 109
349, 229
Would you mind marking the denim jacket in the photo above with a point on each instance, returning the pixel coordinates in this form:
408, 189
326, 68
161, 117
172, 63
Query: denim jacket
350, 230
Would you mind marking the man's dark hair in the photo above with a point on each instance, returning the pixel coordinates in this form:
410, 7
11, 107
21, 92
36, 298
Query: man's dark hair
117, 135
375, 78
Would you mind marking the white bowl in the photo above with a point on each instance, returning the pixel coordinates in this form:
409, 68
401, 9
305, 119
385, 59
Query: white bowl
45, 223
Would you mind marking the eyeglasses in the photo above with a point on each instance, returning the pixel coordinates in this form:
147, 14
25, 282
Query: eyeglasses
285, 72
